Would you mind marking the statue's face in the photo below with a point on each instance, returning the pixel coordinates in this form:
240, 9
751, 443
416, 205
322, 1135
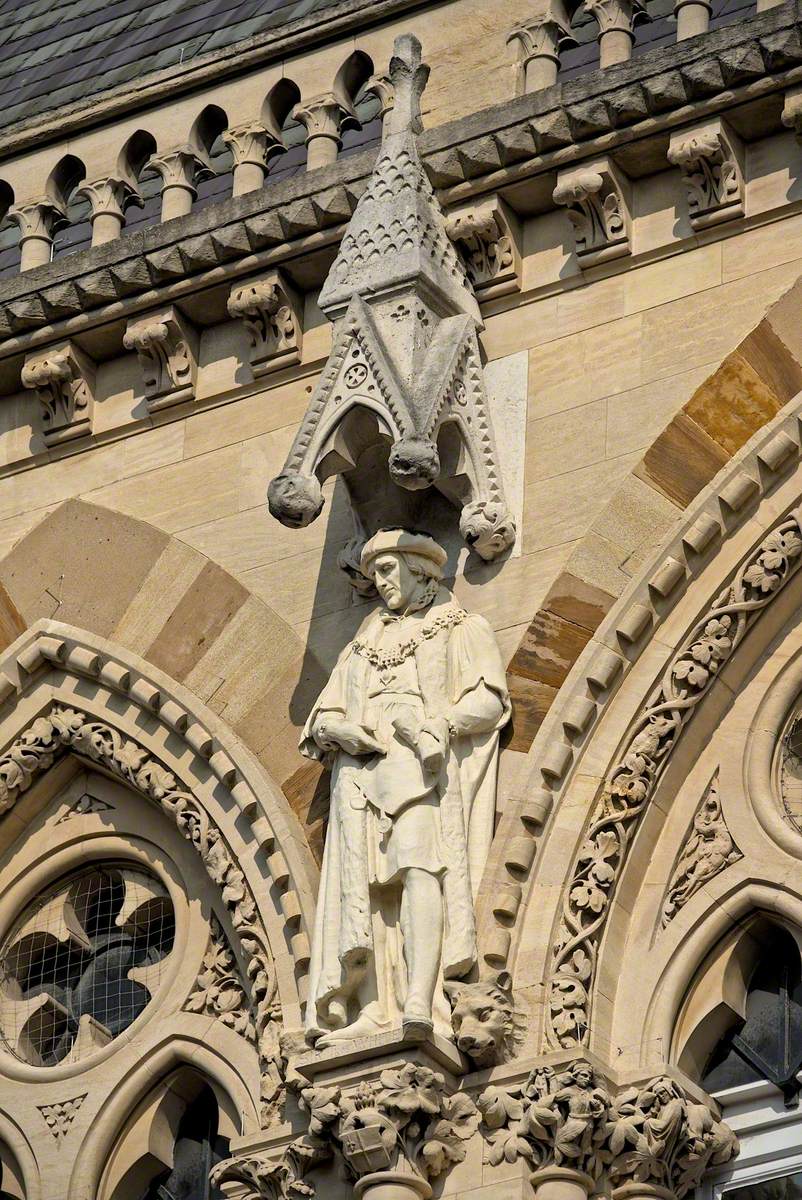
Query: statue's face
395, 583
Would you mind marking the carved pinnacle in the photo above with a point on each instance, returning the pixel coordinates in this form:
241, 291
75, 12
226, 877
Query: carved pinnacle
409, 75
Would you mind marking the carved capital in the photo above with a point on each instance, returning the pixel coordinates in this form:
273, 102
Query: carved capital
181, 168
272, 313
63, 377
325, 116
596, 197
710, 158
616, 15
568, 1118
538, 43
39, 219
487, 236
166, 345
381, 86
110, 197
251, 143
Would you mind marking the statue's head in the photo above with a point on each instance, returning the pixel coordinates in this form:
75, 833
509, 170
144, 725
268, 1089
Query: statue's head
406, 567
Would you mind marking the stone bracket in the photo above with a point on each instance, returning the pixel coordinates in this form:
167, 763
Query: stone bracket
63, 377
166, 344
711, 158
792, 111
272, 312
597, 198
487, 235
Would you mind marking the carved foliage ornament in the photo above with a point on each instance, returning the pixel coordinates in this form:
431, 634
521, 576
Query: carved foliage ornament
218, 990
650, 1135
64, 380
166, 345
59, 1116
271, 313
711, 172
596, 203
66, 729
686, 680
487, 238
707, 851
405, 1119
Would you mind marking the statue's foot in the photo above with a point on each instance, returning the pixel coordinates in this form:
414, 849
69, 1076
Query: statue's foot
364, 1026
417, 1024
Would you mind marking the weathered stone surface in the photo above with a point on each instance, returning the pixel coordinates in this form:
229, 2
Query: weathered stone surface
682, 460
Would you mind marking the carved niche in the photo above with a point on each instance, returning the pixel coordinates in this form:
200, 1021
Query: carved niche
400, 411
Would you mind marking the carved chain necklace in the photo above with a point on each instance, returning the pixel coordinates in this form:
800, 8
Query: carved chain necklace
382, 659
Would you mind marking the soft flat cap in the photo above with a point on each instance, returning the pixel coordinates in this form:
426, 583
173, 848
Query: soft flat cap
404, 541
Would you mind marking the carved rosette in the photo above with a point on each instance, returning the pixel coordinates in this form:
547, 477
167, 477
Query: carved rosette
272, 313
596, 198
487, 236
654, 1135
63, 378
166, 345
708, 850
710, 158
632, 781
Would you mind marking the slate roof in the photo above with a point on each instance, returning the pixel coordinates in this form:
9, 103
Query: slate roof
56, 52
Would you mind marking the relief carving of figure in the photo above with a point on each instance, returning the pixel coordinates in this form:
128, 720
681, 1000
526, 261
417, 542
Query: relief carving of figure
410, 721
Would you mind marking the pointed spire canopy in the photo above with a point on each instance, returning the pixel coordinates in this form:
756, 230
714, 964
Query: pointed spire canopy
397, 235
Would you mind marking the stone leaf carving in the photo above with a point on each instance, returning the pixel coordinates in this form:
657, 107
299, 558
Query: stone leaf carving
63, 729
710, 159
218, 990
659, 1136
166, 345
63, 377
402, 1120
554, 1118
85, 806
487, 236
630, 784
653, 1134
596, 198
707, 851
404, 374
60, 1116
487, 1025
271, 312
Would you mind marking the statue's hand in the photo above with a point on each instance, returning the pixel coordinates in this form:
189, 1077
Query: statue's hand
335, 732
433, 744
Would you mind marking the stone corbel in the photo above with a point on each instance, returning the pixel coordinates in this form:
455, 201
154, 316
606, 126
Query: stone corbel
63, 377
488, 237
538, 43
711, 159
272, 312
597, 198
108, 199
792, 111
166, 344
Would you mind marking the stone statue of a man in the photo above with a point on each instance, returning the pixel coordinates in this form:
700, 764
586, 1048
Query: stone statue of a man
410, 721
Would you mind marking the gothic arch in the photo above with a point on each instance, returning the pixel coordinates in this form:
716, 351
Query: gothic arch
623, 711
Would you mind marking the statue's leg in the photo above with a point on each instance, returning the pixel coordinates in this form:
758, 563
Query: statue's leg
422, 928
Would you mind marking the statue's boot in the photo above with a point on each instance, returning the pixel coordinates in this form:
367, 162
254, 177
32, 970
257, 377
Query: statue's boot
364, 1026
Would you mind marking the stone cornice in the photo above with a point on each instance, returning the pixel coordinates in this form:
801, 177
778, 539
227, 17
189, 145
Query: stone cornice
203, 71
603, 111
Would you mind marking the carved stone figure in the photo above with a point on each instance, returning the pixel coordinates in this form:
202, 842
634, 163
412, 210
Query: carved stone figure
410, 721
484, 1018
708, 850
